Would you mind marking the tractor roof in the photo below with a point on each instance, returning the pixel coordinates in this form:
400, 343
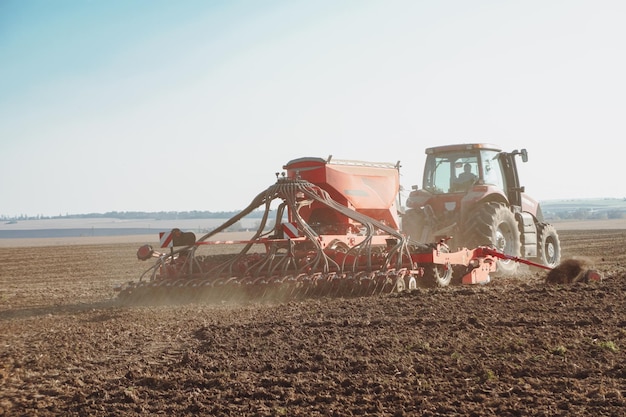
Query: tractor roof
462, 147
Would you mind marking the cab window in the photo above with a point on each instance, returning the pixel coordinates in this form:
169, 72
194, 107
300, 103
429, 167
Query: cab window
451, 173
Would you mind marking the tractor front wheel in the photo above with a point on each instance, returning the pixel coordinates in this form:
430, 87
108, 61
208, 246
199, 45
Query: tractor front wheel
549, 252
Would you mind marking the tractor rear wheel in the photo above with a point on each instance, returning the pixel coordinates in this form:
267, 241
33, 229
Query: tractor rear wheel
494, 224
549, 251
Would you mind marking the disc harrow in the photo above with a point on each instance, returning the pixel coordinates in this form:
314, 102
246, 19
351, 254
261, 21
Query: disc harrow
275, 288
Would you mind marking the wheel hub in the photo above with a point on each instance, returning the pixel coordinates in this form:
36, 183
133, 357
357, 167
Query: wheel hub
500, 241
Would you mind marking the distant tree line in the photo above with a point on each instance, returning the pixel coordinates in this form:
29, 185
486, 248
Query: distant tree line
586, 214
138, 215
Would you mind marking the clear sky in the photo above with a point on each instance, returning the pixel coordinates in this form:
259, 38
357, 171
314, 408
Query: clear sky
163, 105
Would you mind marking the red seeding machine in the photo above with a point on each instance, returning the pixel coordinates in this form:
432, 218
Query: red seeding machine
328, 228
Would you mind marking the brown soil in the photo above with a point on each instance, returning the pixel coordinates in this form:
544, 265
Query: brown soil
514, 347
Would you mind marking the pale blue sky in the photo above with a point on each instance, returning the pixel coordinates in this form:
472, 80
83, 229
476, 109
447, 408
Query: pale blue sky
154, 105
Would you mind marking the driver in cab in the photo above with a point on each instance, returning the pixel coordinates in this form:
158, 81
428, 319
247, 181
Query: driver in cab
466, 178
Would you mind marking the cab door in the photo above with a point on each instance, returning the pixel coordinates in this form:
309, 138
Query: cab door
512, 189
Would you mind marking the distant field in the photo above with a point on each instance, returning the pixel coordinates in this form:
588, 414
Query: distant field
604, 224
89, 225
152, 238
105, 230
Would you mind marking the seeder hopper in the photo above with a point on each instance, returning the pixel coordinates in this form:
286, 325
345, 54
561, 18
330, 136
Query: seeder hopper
328, 228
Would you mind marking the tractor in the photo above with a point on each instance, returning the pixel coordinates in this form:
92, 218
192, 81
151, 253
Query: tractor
471, 196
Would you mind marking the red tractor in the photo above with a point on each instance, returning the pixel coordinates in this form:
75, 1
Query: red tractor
471, 196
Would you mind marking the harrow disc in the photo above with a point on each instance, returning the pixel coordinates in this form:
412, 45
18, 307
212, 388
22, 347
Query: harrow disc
263, 288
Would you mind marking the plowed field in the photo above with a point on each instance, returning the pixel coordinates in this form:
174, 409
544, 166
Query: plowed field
513, 347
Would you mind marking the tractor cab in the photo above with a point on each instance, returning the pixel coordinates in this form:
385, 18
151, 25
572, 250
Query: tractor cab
458, 168
467, 173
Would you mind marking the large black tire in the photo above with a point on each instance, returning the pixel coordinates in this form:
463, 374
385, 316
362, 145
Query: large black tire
493, 224
549, 250
413, 224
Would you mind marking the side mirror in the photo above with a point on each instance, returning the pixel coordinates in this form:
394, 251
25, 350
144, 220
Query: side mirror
523, 153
